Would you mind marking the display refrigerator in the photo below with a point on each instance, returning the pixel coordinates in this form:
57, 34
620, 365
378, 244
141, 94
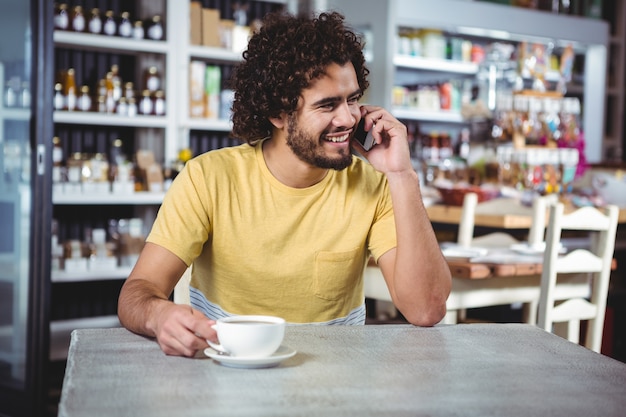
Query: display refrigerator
25, 204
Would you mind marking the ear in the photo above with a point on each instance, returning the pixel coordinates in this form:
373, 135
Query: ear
278, 122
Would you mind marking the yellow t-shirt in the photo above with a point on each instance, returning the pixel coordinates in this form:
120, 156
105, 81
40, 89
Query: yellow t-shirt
260, 247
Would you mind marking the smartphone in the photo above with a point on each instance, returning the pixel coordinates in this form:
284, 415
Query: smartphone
366, 139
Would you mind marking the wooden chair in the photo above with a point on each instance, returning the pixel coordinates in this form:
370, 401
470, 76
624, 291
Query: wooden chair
181, 290
535, 238
564, 316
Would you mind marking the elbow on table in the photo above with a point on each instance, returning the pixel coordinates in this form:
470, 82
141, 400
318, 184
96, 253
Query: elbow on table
426, 315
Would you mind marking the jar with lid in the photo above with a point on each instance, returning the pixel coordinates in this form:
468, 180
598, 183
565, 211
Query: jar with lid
125, 28
62, 18
122, 107
101, 106
129, 92
99, 168
138, 32
84, 100
152, 79
10, 95
59, 98
95, 22
74, 168
145, 105
109, 27
132, 107
155, 29
159, 103
78, 19
25, 96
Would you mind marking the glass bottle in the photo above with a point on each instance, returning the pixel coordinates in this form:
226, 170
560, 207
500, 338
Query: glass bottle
159, 103
102, 87
155, 31
62, 18
128, 90
84, 100
145, 105
122, 107
109, 27
125, 28
116, 81
110, 101
57, 160
74, 168
70, 90
10, 95
132, 107
152, 79
78, 19
117, 153
138, 32
25, 96
59, 98
95, 22
99, 168
101, 106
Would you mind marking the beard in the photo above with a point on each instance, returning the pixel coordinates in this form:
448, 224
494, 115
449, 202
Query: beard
311, 151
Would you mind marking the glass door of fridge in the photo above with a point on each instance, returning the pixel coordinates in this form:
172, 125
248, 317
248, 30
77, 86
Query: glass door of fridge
24, 206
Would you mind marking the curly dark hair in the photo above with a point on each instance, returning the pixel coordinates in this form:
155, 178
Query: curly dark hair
283, 57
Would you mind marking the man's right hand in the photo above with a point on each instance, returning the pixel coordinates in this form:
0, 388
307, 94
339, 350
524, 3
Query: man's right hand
182, 331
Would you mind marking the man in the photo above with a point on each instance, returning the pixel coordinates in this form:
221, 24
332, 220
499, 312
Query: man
285, 224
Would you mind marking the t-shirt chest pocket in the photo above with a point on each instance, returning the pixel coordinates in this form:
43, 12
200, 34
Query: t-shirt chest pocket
337, 273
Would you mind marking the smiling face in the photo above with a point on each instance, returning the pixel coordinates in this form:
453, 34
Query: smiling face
319, 131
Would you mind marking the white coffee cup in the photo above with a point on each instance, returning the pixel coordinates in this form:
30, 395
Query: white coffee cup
249, 336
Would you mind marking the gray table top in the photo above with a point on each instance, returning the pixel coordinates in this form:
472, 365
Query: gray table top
373, 370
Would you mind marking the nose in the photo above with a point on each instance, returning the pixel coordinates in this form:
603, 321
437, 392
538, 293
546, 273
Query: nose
344, 116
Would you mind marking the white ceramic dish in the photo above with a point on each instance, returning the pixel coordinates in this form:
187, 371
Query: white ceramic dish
459, 252
526, 249
283, 352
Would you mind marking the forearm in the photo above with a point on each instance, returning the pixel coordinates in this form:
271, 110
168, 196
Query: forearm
420, 282
140, 303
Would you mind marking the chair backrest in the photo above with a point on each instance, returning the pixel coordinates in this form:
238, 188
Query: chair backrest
595, 261
499, 239
181, 290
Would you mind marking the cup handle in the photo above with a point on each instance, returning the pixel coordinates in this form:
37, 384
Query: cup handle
216, 346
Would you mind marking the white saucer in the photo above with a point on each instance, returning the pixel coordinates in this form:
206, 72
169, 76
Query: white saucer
274, 359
